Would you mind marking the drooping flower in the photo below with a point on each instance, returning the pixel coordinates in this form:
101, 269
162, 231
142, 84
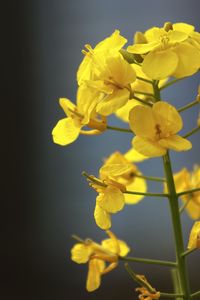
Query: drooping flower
147, 292
101, 258
93, 57
194, 239
155, 129
184, 181
118, 168
68, 129
167, 52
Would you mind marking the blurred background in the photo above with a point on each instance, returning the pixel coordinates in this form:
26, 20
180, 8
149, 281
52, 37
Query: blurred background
45, 197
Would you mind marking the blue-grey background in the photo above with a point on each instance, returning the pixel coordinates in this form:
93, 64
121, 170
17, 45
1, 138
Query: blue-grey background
46, 197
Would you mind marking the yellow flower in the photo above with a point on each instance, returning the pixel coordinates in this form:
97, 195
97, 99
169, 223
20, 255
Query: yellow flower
118, 168
194, 239
97, 256
93, 57
155, 128
68, 129
167, 52
185, 180
112, 84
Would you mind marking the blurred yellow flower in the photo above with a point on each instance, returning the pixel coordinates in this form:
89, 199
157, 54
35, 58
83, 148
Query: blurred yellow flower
97, 256
155, 129
194, 239
167, 52
185, 180
68, 129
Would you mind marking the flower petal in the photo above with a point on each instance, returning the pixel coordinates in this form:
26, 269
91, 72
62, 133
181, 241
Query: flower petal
115, 169
110, 246
111, 103
142, 48
80, 253
188, 60
167, 117
183, 27
142, 121
65, 132
102, 218
96, 267
194, 239
147, 147
175, 142
134, 156
160, 64
139, 185
67, 105
123, 112
111, 200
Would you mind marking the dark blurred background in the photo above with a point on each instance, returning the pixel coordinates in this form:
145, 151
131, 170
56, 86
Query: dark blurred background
45, 199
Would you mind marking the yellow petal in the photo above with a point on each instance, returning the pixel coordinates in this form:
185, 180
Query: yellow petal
142, 121
154, 34
193, 207
160, 64
80, 253
175, 142
183, 27
120, 70
111, 103
116, 169
134, 156
138, 185
194, 239
142, 48
65, 132
148, 147
67, 105
123, 112
102, 218
176, 36
167, 117
188, 60
85, 70
111, 200
96, 267
114, 42
110, 246
181, 180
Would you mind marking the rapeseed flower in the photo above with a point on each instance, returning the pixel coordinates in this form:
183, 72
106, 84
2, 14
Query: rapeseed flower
68, 129
167, 52
101, 258
155, 129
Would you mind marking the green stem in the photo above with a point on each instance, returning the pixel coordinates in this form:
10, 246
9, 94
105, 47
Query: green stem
149, 261
188, 192
141, 100
194, 130
170, 83
195, 294
143, 93
119, 129
187, 252
179, 246
176, 282
144, 79
156, 90
151, 178
147, 194
169, 295
188, 105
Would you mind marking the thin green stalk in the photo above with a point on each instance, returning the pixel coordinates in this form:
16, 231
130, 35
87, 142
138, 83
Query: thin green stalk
188, 192
156, 91
119, 129
176, 282
194, 130
143, 93
187, 252
149, 261
144, 79
141, 100
147, 194
151, 178
178, 237
188, 105
169, 295
195, 294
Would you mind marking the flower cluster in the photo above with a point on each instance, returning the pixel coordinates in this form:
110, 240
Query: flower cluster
127, 81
